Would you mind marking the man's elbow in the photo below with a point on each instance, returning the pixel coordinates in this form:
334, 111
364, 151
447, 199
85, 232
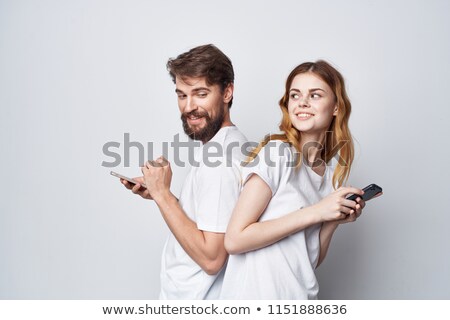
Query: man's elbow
213, 266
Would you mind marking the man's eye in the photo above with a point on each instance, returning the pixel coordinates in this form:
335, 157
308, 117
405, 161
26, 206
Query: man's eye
181, 96
202, 94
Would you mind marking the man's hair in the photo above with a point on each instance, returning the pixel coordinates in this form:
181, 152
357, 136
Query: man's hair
203, 61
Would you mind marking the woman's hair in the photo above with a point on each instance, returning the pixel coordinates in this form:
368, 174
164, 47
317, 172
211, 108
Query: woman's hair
203, 61
337, 134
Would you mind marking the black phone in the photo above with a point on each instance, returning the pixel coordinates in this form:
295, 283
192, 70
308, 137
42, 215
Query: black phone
369, 192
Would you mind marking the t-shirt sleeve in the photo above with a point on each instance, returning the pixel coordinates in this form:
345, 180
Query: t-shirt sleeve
271, 164
218, 189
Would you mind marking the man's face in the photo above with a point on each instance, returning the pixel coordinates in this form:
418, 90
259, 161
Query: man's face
202, 107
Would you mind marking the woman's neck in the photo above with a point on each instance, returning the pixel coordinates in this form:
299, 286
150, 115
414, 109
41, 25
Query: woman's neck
311, 146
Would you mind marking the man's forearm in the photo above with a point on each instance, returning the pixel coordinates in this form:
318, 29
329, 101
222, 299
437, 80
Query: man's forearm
191, 239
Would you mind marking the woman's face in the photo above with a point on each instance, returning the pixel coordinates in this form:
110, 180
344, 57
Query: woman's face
312, 104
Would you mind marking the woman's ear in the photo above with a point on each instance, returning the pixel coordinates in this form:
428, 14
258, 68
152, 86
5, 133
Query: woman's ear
228, 93
335, 110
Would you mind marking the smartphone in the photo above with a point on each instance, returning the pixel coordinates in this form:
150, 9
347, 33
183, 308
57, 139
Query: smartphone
369, 192
118, 175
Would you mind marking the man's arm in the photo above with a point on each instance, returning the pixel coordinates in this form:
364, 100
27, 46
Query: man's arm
205, 248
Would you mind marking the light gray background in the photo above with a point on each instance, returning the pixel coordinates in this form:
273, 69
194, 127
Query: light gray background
77, 74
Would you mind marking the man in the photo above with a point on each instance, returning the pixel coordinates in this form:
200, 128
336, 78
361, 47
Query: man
194, 255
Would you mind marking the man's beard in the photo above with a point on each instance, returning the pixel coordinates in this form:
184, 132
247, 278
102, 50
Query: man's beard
208, 131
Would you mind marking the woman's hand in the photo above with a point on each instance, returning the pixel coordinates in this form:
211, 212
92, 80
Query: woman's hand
360, 204
336, 207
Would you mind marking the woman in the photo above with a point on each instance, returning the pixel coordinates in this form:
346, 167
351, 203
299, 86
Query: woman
287, 212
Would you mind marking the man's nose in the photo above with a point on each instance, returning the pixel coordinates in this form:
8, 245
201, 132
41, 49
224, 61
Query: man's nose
190, 105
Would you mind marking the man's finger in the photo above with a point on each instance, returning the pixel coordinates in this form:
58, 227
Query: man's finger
126, 184
154, 164
136, 188
162, 161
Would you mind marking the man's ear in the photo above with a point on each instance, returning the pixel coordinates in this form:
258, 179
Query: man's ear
228, 93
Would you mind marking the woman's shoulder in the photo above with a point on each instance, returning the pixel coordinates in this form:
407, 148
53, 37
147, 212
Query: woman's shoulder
277, 152
272, 163
279, 148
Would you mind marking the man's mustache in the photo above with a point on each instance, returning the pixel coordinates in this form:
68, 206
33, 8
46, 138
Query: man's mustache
194, 114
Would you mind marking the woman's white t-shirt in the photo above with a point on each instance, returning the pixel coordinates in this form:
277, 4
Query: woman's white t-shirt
285, 269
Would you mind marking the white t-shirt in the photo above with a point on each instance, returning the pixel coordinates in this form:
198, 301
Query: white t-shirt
285, 269
208, 197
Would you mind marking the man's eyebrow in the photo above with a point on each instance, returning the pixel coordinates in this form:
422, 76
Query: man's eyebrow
194, 90
201, 89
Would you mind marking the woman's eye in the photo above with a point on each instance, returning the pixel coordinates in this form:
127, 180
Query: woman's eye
315, 95
295, 96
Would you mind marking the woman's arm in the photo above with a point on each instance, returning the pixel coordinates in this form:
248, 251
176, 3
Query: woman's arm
246, 233
328, 229
326, 233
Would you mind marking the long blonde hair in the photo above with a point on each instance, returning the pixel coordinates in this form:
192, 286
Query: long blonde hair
338, 131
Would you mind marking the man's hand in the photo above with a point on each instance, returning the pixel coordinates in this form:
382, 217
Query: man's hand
157, 177
137, 188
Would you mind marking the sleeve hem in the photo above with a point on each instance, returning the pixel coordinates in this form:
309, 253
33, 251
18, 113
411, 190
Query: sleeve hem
209, 228
258, 173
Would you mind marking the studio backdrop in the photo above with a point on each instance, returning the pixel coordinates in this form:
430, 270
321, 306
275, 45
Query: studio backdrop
78, 75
